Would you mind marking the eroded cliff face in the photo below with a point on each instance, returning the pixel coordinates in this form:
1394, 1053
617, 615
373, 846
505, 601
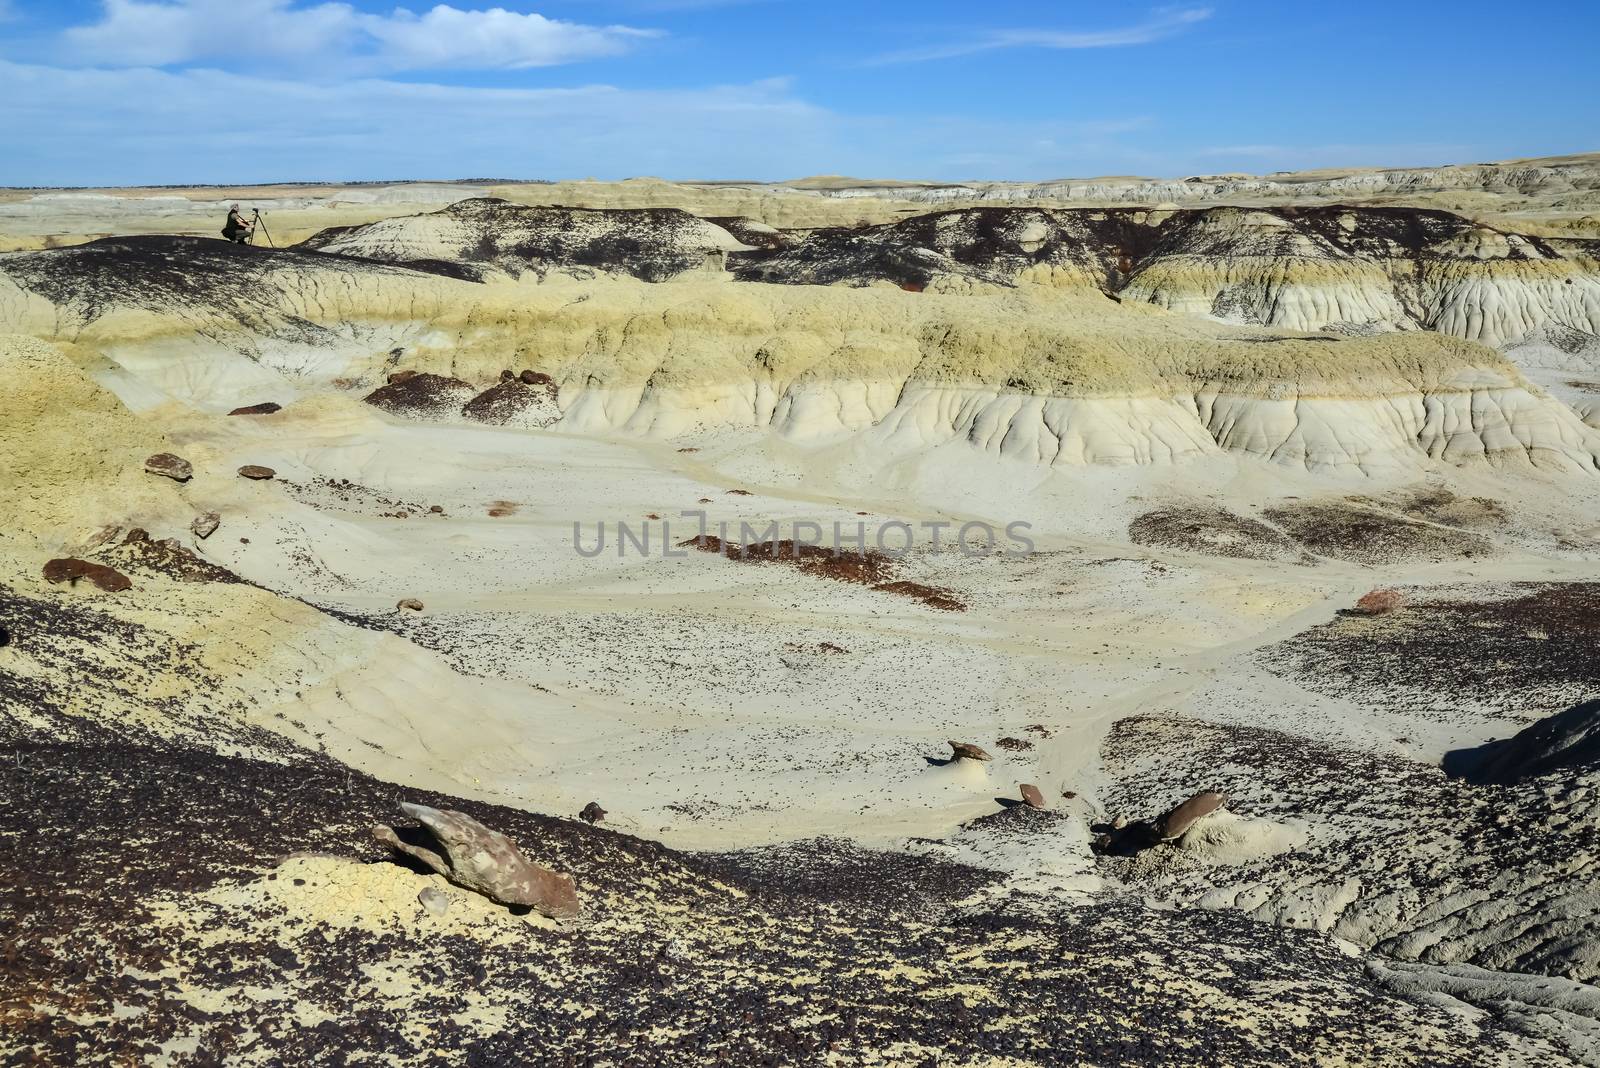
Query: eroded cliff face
1059, 374
1335, 268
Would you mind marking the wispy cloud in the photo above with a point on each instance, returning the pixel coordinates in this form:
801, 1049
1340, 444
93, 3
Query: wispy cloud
1162, 23
260, 33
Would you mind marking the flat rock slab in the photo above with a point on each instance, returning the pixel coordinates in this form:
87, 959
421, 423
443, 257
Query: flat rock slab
71, 569
170, 465
257, 472
264, 408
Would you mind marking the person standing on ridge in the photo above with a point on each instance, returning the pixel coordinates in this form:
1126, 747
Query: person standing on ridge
238, 229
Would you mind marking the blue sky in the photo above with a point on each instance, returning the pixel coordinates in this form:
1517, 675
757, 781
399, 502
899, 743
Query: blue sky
96, 92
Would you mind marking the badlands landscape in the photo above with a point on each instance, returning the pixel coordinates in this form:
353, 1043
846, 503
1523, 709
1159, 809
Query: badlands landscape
1119, 621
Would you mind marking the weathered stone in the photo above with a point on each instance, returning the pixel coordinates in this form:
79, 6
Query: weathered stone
205, 525
434, 900
592, 812
1380, 602
1180, 819
537, 378
257, 472
408, 604
400, 376
170, 465
476, 858
71, 569
968, 751
264, 408
436, 509
1031, 796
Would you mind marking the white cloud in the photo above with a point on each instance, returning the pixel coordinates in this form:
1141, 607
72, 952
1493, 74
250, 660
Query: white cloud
335, 36
150, 126
1163, 23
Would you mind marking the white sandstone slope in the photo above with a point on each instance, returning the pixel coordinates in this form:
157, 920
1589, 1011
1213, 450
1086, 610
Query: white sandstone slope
1063, 378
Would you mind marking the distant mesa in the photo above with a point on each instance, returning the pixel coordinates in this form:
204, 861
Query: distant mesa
483, 236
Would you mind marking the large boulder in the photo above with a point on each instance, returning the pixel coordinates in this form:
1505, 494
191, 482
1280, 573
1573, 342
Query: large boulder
1569, 739
472, 856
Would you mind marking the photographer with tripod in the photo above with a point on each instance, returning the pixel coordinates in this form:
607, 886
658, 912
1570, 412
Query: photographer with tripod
240, 230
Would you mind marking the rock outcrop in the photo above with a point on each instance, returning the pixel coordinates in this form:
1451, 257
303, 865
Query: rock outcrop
1566, 740
473, 238
476, 858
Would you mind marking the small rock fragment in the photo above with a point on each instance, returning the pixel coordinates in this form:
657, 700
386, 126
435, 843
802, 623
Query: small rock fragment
408, 604
205, 525
536, 378
71, 569
401, 376
434, 900
592, 813
171, 465
968, 751
264, 408
1031, 796
476, 858
1180, 819
436, 509
257, 472
1380, 602
506, 375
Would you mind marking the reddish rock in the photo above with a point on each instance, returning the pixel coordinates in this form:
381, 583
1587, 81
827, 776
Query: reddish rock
1175, 823
170, 465
592, 813
257, 472
968, 751
537, 378
472, 856
400, 376
422, 396
264, 408
409, 604
1031, 796
71, 569
1380, 602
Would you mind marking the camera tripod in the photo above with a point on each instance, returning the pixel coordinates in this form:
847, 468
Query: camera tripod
257, 221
